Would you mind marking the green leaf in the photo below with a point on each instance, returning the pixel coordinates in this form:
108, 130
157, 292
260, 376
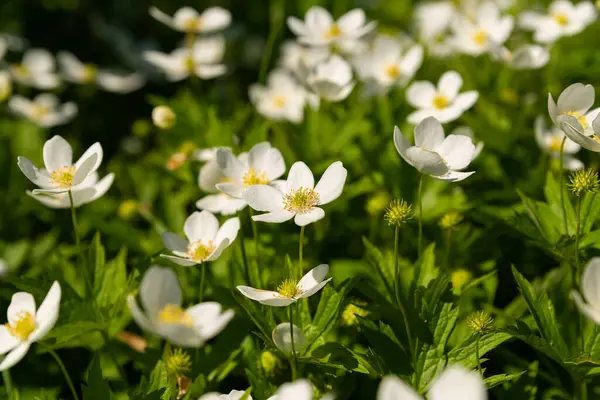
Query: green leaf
552, 192
377, 261
496, 380
386, 346
96, 259
428, 271
543, 218
590, 210
336, 355
465, 353
96, 387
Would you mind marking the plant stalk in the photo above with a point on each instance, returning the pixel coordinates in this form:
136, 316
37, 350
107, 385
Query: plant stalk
293, 361
64, 371
560, 184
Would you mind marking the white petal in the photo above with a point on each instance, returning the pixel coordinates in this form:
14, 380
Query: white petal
401, 144
300, 176
174, 242
427, 162
57, 153
230, 166
158, 288
574, 131
183, 16
312, 286
209, 318
456, 383
209, 176
201, 225
21, 302
394, 388
7, 341
228, 230
351, 21
266, 297
220, 248
33, 173
420, 94
98, 190
457, 151
312, 216
429, 134
214, 18
572, 164
589, 311
453, 176
96, 149
264, 198
282, 338
39, 60
47, 315
85, 169
590, 282
576, 97
221, 204
232, 189
209, 71
314, 277
274, 217
299, 390
332, 182
184, 262
13, 357
449, 84
138, 315
161, 16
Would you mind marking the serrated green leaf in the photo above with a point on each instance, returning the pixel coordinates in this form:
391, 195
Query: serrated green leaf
590, 210
552, 192
386, 346
96, 387
379, 264
465, 353
496, 380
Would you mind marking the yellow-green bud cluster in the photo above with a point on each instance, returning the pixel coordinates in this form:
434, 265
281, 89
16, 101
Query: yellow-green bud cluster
480, 321
398, 212
451, 220
178, 362
584, 181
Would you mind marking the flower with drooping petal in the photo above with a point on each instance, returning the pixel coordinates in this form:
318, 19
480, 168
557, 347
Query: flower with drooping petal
205, 60
589, 304
290, 291
37, 69
445, 103
571, 114
331, 79
186, 19
550, 141
233, 395
282, 339
77, 72
205, 240
163, 316
44, 110
298, 197
529, 56
487, 30
260, 166
60, 175
319, 28
26, 325
434, 154
454, 383
563, 19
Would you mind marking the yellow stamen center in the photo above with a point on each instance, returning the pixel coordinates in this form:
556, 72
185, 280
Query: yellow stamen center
301, 201
392, 71
189, 64
251, 177
555, 143
22, 71
289, 288
440, 102
172, 314
192, 24
22, 327
89, 73
199, 251
561, 18
63, 177
39, 111
479, 37
580, 118
333, 32
279, 101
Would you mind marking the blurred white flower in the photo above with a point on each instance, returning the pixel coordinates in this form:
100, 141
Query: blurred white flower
204, 59
454, 383
445, 103
298, 197
205, 240
571, 113
331, 79
434, 154
163, 117
529, 56
163, 316
386, 64
487, 30
283, 339
300, 59
5, 85
37, 69
186, 19
319, 28
589, 305
550, 141
26, 325
77, 72
233, 395
300, 389
563, 19
282, 99
44, 110
290, 291
61, 175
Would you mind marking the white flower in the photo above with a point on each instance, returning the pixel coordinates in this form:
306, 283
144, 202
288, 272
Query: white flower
26, 325
386, 64
60, 175
529, 56
298, 197
468, 132
186, 19
163, 316
233, 395
433, 18
205, 240
454, 383
283, 339
589, 305
290, 291
163, 117
37, 69
436, 155
488, 30
77, 72
445, 103
5, 85
44, 110
550, 142
331, 79
282, 99
319, 28
204, 60
300, 59
563, 19
260, 166
571, 113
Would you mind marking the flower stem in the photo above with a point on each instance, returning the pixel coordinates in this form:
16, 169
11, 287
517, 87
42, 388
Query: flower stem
257, 244
577, 235
300, 250
8, 383
86, 275
202, 277
477, 354
420, 200
64, 371
560, 184
244, 256
399, 295
293, 362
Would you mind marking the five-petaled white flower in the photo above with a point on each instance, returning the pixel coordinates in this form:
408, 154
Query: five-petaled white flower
529, 56
205, 240
445, 103
434, 154
331, 79
26, 325
454, 383
487, 30
204, 59
319, 28
37, 69
77, 72
571, 113
298, 197
186, 19
290, 290
550, 141
589, 305
163, 315
233, 395
44, 110
563, 19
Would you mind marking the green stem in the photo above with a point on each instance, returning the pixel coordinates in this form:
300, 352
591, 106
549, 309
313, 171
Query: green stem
581, 389
86, 275
300, 250
293, 362
257, 244
399, 295
244, 256
477, 354
202, 277
275, 26
8, 383
64, 371
577, 235
560, 184
420, 201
